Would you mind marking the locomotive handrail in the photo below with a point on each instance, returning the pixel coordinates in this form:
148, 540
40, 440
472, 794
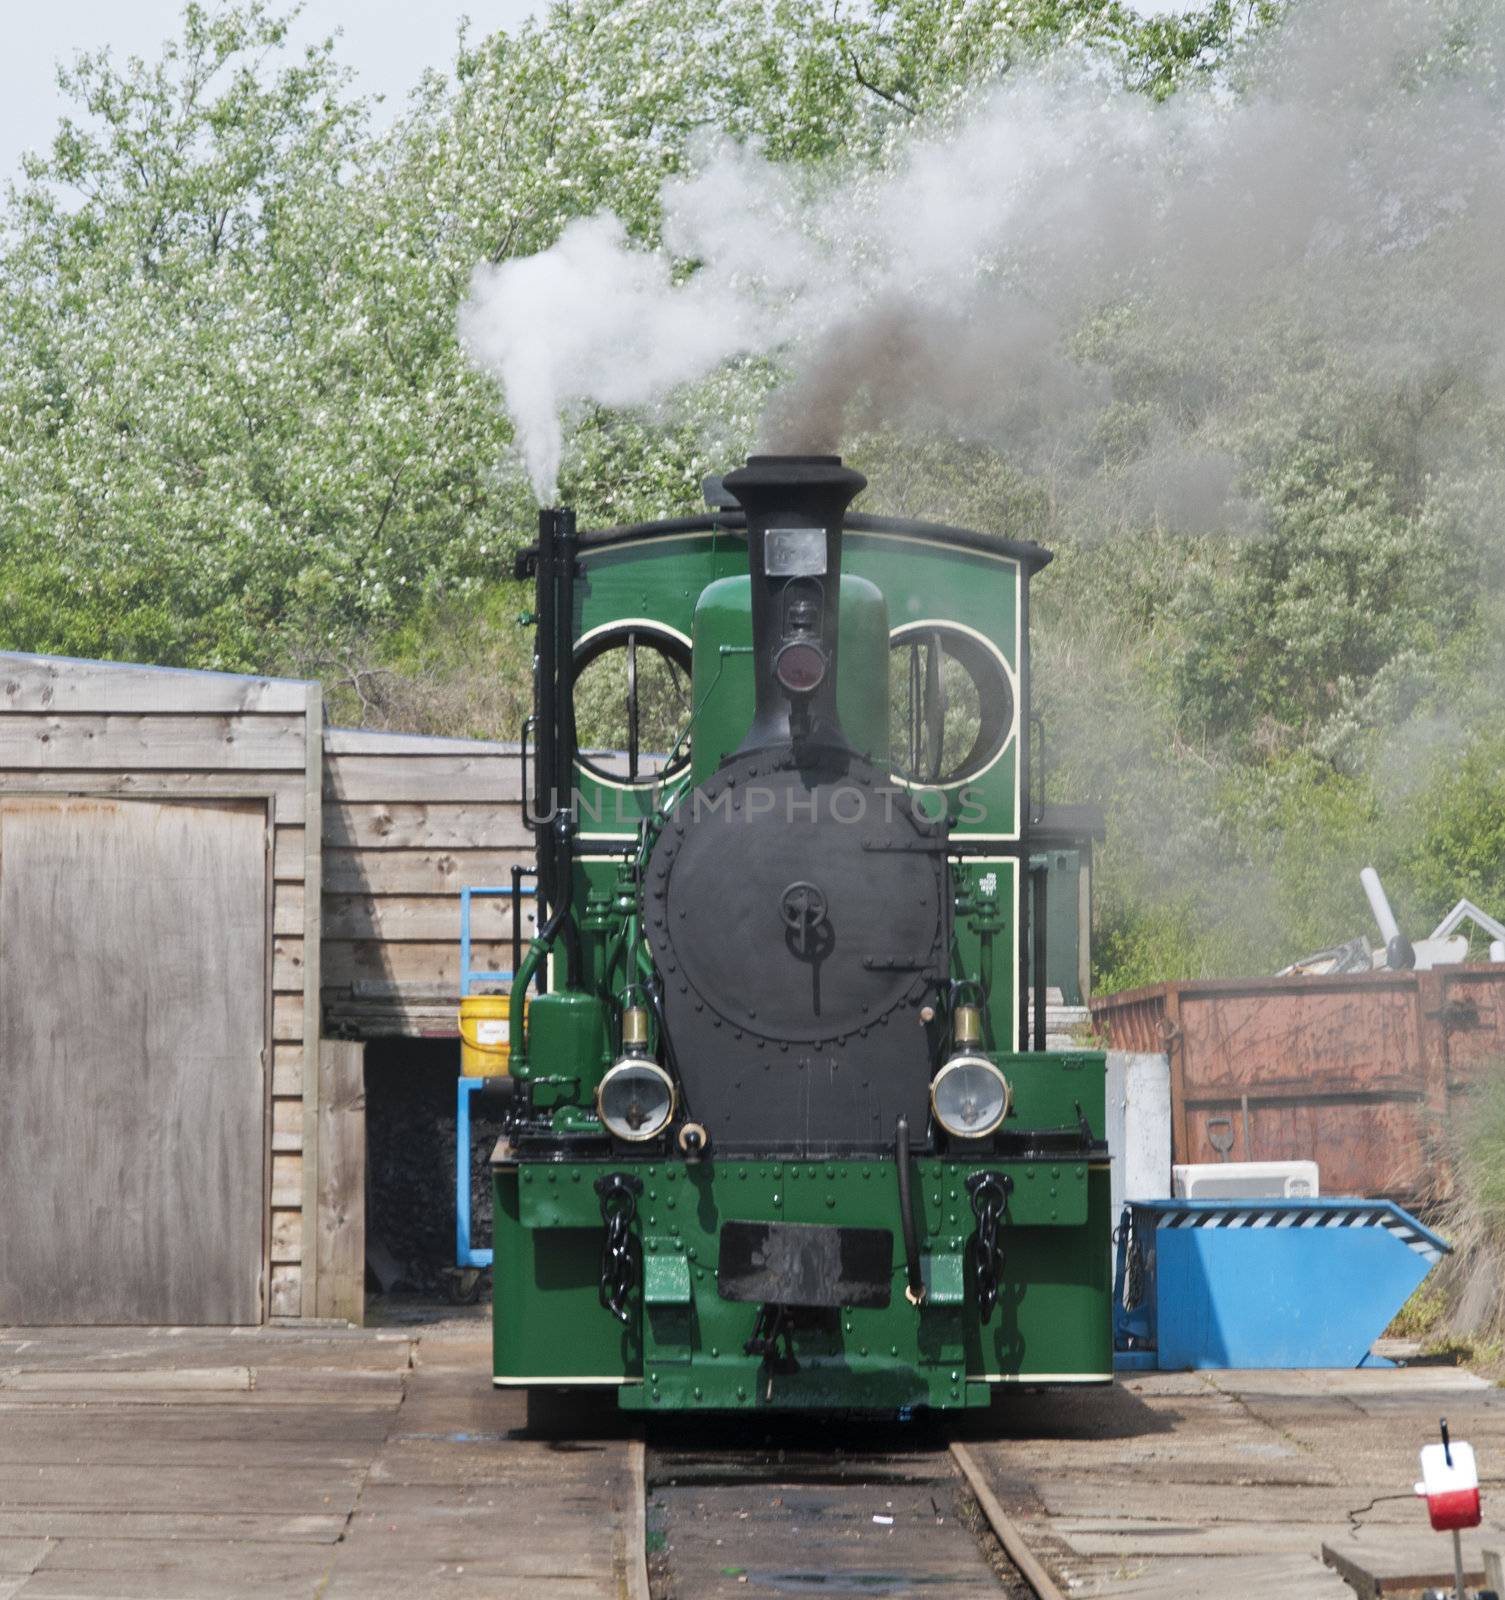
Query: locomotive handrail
915, 1292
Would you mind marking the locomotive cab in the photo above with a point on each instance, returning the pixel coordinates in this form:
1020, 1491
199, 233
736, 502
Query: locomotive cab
773, 1140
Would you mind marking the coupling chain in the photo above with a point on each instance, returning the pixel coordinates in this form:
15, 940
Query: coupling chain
619, 1193
989, 1192
1134, 1264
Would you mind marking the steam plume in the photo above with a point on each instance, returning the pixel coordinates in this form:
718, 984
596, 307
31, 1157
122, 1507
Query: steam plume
1347, 201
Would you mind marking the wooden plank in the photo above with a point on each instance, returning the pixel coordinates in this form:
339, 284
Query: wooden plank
180, 1569
144, 1350
126, 1489
42, 742
287, 1018
287, 1123
60, 684
1370, 1572
287, 1290
433, 965
288, 849
288, 792
163, 905
392, 1018
415, 918
287, 908
237, 1527
421, 871
1202, 1577
313, 877
19, 1558
378, 742
287, 1179
342, 1180
287, 965
287, 1068
437, 825
496, 780
287, 1236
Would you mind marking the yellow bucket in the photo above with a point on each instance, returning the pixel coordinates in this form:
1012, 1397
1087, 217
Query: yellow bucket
484, 1034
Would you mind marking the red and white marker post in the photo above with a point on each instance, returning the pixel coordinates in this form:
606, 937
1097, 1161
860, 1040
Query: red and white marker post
1450, 1485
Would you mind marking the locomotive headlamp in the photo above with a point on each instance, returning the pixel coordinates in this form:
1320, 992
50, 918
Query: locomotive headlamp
970, 1097
800, 666
636, 1099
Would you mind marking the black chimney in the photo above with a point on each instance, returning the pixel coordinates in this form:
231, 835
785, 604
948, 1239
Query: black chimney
794, 507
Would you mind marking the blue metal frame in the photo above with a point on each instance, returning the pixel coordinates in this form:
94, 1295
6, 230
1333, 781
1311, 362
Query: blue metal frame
468, 975
465, 1254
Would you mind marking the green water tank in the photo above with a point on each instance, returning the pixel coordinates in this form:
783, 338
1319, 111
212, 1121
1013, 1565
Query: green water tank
723, 674
568, 1047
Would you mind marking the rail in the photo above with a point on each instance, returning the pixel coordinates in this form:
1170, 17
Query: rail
1004, 1528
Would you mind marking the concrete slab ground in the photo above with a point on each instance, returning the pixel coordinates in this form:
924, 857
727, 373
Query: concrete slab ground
1199, 1486
173, 1464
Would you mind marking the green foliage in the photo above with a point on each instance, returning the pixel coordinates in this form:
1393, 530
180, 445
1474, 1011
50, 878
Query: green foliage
237, 430
1422, 1314
1144, 939
459, 664
233, 409
1342, 584
1460, 837
232, 401
1164, 52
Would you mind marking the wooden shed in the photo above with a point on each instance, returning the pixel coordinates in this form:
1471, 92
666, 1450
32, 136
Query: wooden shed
199, 883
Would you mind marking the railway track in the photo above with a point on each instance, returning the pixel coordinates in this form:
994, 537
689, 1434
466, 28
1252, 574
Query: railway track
760, 1513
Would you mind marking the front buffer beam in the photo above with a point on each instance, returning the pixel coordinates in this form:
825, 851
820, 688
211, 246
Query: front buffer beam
699, 1334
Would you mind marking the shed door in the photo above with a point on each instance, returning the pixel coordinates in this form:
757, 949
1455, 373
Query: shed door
132, 1019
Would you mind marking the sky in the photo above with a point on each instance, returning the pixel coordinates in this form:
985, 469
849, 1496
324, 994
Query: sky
388, 42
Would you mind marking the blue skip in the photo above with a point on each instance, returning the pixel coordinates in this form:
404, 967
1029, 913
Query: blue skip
1262, 1283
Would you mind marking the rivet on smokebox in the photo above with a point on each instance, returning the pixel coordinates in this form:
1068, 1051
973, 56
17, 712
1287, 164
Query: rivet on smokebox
927, 1014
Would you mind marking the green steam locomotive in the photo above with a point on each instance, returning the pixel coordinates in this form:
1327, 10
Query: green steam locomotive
775, 1137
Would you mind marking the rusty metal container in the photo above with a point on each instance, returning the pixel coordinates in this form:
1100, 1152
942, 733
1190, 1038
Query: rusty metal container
1359, 1072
